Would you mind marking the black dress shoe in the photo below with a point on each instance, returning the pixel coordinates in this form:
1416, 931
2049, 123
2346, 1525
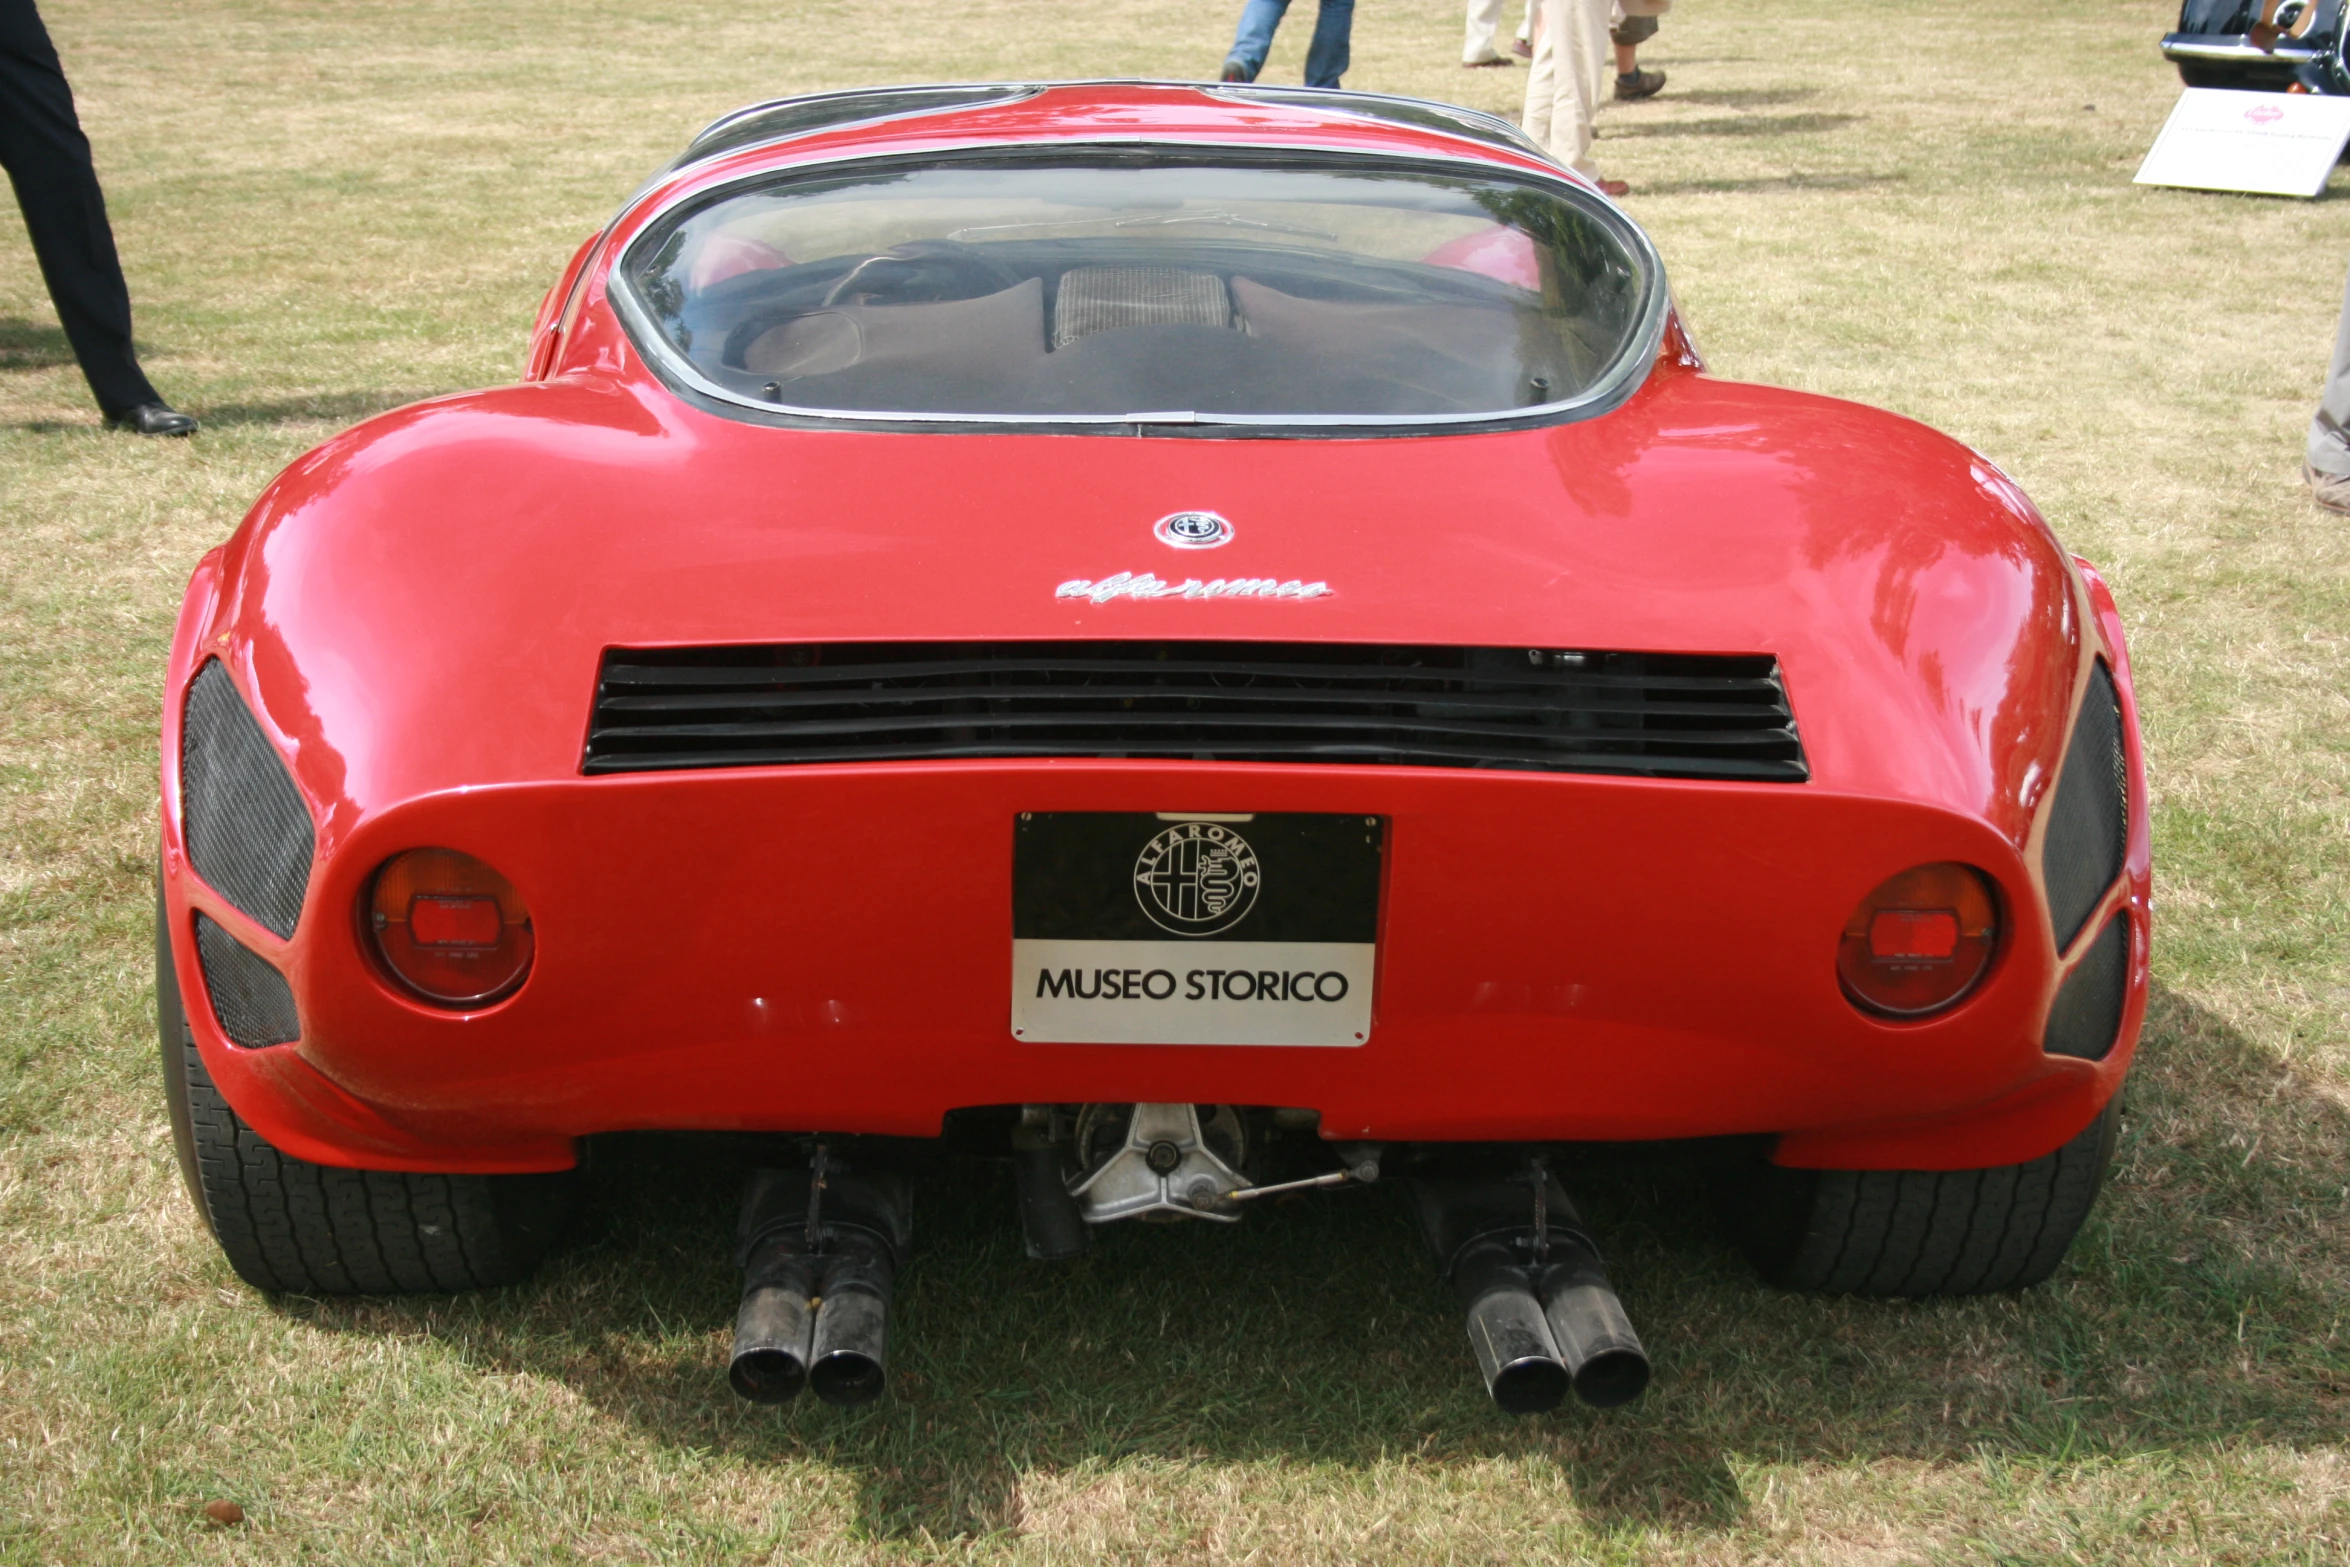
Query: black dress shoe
153, 419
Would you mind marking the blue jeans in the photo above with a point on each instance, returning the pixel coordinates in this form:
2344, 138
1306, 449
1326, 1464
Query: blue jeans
1326, 57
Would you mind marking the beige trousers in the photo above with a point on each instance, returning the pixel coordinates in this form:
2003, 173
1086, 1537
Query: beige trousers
1573, 65
1484, 23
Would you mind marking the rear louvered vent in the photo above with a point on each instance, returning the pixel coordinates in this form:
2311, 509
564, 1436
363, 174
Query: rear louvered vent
2089, 823
2087, 1015
1646, 714
247, 830
250, 999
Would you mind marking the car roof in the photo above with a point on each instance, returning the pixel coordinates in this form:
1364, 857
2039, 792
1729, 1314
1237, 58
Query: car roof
1050, 110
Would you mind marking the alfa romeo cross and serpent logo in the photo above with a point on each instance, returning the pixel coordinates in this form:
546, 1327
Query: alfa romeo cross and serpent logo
1193, 530
1196, 879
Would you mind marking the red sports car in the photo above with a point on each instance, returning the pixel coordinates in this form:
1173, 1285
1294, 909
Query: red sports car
1202, 640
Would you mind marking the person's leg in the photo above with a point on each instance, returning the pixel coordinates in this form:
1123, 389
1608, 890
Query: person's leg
1541, 81
2326, 453
1254, 40
1523, 44
1581, 73
48, 162
1633, 83
1327, 57
1484, 21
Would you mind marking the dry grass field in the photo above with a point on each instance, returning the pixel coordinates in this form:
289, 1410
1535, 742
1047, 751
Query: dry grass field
331, 207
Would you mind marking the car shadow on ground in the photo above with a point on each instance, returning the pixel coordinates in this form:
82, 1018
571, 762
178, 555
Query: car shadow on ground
2194, 1311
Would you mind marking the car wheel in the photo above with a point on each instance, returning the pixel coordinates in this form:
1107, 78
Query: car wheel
1922, 1232
314, 1229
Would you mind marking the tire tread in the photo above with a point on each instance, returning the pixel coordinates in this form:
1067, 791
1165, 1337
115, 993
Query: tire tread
1925, 1232
289, 1225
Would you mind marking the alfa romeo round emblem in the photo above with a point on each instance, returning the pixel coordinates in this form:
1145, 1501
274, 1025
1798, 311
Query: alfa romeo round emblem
1193, 530
1196, 878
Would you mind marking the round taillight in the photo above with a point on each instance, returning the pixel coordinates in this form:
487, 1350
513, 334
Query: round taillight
1919, 942
448, 927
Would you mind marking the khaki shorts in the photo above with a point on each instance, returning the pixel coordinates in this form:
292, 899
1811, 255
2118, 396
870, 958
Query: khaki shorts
1634, 21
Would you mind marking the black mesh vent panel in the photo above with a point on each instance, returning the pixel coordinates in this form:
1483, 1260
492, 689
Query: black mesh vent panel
251, 999
248, 832
2087, 1016
1541, 710
2089, 823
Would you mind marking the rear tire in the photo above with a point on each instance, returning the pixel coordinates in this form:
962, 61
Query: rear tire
1922, 1232
314, 1229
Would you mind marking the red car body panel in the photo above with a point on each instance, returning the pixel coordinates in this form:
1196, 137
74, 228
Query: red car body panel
415, 612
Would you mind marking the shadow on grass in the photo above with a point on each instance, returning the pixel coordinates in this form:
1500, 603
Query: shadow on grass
334, 409
1739, 97
319, 407
2198, 1309
1734, 125
1785, 182
30, 345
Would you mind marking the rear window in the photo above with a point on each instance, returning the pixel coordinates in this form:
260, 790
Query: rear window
1147, 287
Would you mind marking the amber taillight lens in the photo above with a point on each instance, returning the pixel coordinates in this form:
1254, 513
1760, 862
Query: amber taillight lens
448, 927
1919, 942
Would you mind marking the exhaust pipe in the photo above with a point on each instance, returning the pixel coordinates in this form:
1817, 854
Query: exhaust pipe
1050, 1223
774, 1324
1515, 1348
1595, 1339
1540, 1313
849, 1349
819, 1250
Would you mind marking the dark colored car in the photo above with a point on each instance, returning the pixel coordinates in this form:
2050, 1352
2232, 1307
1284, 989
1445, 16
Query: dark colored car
2260, 45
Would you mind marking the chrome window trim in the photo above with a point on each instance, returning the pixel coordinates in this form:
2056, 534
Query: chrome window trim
1007, 92
1513, 136
1631, 367
1020, 92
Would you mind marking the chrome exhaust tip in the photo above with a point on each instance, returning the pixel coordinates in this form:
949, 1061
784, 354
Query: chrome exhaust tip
819, 1250
1541, 1315
772, 1330
1512, 1339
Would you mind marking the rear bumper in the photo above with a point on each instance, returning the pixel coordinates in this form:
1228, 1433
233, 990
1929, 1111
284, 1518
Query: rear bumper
1561, 957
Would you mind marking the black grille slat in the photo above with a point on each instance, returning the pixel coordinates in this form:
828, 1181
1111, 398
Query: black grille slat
1656, 715
248, 832
1144, 724
782, 675
2089, 820
915, 696
250, 998
1720, 768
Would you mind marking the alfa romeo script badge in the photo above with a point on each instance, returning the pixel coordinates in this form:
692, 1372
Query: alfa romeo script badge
1196, 878
1193, 530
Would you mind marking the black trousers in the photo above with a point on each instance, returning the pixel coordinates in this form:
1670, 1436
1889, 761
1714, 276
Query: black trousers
48, 161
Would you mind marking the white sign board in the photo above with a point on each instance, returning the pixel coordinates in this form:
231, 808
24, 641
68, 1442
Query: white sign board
1192, 992
2263, 143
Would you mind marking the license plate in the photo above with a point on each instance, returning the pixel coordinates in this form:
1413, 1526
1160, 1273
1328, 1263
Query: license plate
1167, 928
